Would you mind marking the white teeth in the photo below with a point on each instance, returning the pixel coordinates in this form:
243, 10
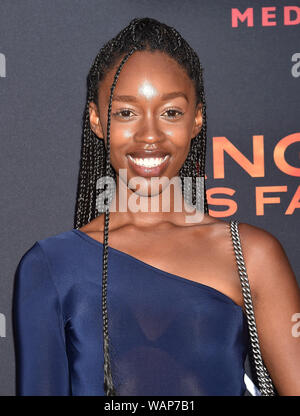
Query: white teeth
149, 162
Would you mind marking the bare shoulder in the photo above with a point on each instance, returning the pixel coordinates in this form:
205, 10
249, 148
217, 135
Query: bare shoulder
266, 261
259, 244
276, 301
258, 239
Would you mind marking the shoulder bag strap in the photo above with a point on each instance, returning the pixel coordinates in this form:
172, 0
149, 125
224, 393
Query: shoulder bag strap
266, 386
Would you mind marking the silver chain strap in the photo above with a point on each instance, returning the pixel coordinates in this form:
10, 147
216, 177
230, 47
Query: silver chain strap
266, 386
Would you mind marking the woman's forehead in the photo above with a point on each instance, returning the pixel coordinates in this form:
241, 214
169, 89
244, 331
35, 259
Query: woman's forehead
147, 90
148, 74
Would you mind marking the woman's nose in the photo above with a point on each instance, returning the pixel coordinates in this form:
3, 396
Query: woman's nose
149, 131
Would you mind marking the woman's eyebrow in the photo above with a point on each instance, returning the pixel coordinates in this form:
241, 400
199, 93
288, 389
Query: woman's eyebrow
132, 98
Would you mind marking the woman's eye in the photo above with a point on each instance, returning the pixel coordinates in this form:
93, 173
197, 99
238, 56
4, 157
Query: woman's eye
123, 113
172, 113
127, 114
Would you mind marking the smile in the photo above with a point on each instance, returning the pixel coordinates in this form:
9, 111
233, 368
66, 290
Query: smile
148, 162
148, 166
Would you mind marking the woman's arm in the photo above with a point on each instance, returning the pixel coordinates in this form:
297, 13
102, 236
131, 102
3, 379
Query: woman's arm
41, 359
276, 303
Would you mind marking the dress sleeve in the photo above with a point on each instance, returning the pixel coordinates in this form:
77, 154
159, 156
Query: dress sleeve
41, 357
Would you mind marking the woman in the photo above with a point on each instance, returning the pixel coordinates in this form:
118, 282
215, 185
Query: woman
173, 316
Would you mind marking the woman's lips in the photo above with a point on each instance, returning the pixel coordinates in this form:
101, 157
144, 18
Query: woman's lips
147, 171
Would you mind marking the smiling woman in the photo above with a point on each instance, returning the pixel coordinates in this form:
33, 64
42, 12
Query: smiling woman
155, 115
166, 307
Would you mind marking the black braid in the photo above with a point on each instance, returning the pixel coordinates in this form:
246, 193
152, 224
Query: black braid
140, 34
108, 382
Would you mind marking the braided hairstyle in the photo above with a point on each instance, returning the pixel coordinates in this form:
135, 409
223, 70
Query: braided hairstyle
140, 34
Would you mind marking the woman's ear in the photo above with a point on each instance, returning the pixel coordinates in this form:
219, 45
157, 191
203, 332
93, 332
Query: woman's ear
95, 120
198, 120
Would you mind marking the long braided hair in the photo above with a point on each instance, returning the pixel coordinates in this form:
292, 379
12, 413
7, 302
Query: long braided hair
140, 34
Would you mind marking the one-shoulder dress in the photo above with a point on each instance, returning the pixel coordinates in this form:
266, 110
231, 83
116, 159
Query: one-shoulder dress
168, 335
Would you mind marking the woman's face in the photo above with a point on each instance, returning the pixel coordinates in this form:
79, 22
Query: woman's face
153, 118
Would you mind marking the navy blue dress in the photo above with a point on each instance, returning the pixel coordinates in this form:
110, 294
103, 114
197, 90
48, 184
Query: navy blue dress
169, 335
